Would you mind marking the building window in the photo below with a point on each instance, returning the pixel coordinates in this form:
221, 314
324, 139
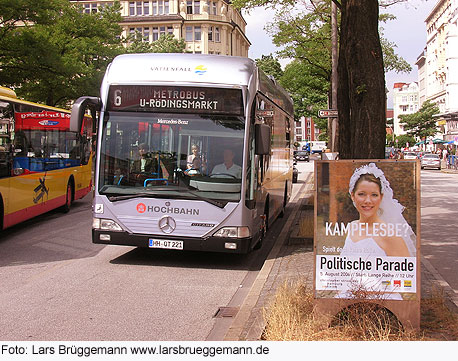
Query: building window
90, 8
141, 33
188, 33
139, 8
193, 7
146, 8
197, 33
146, 35
210, 33
193, 33
217, 35
155, 33
105, 5
161, 7
212, 7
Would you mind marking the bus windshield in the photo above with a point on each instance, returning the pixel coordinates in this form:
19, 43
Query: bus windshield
171, 155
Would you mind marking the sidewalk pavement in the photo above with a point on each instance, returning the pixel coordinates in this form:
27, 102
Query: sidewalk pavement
291, 260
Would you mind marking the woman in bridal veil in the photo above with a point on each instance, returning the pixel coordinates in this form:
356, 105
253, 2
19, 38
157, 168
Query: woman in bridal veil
372, 196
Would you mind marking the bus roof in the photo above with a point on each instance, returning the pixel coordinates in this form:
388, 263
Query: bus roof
183, 68
8, 94
175, 68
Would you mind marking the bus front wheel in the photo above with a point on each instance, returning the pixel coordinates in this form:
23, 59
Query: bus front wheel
264, 223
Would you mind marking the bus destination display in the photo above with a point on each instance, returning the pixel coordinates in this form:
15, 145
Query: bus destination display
170, 99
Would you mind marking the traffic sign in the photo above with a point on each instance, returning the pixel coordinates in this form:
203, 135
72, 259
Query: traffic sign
328, 113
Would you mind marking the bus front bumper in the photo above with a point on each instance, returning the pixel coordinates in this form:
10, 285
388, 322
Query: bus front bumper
211, 244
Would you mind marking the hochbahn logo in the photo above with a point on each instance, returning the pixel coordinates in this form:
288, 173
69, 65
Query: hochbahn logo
167, 209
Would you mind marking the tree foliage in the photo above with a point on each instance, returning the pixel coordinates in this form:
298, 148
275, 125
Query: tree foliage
62, 55
421, 124
303, 29
402, 140
308, 91
270, 65
52, 52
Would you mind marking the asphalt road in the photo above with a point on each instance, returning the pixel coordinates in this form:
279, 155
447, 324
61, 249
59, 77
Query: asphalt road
57, 285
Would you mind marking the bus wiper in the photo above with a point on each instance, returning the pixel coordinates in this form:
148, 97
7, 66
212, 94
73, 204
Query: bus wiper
131, 196
155, 195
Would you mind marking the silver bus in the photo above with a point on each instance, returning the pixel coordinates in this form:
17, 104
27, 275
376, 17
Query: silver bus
194, 152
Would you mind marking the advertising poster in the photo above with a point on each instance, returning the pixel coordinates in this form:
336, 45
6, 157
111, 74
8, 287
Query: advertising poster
366, 243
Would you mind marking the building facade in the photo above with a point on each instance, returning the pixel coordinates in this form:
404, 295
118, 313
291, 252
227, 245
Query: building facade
406, 100
421, 66
441, 65
207, 26
305, 130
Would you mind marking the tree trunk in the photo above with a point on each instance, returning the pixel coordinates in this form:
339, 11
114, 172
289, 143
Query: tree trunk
361, 89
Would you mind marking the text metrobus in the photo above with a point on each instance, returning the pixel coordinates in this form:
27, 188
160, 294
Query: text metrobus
194, 152
43, 165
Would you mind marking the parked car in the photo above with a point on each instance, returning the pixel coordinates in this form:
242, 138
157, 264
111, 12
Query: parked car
410, 155
431, 161
301, 155
421, 154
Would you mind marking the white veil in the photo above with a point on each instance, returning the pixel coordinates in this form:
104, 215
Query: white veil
390, 209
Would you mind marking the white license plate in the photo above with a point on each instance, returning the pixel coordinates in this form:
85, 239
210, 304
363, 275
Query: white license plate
165, 244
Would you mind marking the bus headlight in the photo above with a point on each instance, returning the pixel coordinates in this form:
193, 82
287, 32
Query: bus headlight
105, 224
233, 232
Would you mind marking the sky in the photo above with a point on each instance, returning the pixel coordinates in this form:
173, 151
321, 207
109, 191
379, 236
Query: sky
408, 32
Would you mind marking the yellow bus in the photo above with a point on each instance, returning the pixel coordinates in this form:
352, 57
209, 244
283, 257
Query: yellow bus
43, 165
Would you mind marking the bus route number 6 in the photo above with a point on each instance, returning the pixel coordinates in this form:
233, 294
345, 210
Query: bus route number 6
117, 98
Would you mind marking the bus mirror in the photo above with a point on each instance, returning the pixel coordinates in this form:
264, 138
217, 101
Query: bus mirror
79, 109
262, 139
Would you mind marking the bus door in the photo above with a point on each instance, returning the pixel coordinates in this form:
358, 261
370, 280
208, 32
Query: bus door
5, 154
